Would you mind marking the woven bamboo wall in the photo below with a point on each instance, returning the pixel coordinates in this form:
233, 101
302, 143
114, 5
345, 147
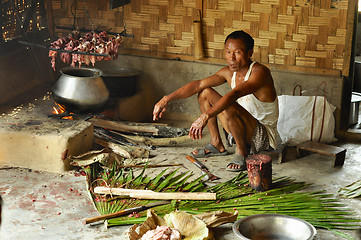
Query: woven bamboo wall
298, 35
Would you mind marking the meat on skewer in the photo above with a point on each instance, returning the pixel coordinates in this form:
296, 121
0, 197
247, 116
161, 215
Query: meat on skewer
91, 42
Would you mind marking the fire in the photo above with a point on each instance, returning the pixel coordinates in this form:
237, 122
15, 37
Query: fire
59, 109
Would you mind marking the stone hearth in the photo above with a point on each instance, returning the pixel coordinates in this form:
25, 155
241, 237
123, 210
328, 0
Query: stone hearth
30, 139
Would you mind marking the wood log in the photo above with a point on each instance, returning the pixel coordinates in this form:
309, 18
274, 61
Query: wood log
149, 194
119, 126
259, 168
139, 128
156, 141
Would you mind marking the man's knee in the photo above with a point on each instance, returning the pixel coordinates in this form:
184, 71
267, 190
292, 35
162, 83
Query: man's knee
205, 93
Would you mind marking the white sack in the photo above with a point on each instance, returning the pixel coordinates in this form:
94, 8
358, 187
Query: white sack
295, 119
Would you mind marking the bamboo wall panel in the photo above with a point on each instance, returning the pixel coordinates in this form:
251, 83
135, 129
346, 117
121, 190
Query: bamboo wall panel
291, 33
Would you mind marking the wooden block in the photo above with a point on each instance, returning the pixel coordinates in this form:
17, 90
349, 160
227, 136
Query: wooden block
337, 153
259, 168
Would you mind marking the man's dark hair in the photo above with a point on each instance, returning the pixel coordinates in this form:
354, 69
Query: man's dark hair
248, 40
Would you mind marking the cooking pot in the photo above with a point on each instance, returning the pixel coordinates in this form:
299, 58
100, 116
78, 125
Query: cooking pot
121, 82
81, 90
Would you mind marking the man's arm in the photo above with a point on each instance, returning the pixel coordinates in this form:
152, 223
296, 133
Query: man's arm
260, 78
188, 90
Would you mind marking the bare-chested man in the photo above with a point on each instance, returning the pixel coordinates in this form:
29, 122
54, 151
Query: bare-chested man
248, 113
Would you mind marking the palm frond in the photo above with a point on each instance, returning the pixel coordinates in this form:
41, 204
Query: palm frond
286, 197
351, 191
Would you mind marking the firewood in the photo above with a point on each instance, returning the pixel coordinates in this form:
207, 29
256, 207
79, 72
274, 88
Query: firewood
145, 129
120, 126
123, 150
155, 141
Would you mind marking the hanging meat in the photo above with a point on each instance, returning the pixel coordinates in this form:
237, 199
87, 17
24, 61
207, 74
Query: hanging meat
87, 49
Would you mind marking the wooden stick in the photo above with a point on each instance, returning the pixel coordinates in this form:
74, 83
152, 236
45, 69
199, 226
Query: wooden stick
125, 212
107, 216
63, 50
151, 166
149, 194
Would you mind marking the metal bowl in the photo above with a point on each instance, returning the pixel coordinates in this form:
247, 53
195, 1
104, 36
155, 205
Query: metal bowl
273, 227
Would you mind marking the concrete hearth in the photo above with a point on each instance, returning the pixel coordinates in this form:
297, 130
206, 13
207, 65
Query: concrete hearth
30, 139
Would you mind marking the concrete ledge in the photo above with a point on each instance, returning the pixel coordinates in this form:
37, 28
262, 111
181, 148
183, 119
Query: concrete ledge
45, 146
30, 139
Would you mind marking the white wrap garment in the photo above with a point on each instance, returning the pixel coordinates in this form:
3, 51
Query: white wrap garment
265, 112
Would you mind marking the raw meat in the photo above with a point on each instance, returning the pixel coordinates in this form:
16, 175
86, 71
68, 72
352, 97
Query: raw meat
162, 233
91, 43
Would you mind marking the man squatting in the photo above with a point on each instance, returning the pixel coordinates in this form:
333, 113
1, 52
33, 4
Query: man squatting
248, 113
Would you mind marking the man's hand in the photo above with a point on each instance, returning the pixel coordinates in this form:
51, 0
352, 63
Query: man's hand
195, 132
160, 108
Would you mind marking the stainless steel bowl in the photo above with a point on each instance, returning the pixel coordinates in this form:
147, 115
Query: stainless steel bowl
273, 226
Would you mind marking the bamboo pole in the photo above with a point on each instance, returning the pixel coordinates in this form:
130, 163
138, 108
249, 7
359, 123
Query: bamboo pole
149, 194
198, 43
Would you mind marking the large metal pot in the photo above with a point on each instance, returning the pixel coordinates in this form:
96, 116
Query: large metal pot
81, 90
121, 82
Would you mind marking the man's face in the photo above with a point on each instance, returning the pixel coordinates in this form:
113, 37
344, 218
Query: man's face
236, 54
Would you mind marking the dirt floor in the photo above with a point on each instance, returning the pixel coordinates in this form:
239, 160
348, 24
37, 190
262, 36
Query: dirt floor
40, 205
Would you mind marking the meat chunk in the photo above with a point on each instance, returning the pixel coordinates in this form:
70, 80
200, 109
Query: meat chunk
162, 233
91, 43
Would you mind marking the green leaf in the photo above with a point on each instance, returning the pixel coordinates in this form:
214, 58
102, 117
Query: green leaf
166, 181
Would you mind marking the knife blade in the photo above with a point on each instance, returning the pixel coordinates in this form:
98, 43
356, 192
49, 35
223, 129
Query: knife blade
203, 168
125, 212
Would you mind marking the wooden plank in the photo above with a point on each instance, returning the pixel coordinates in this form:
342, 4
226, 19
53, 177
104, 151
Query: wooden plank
337, 153
321, 148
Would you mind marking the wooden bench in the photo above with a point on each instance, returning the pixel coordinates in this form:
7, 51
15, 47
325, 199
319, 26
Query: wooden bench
337, 153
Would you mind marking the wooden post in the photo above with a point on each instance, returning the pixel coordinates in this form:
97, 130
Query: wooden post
259, 168
49, 11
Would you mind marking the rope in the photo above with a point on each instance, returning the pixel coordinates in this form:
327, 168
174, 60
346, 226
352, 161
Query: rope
323, 113
294, 89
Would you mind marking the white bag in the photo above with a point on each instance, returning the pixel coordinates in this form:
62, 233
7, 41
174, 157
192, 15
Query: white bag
301, 120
